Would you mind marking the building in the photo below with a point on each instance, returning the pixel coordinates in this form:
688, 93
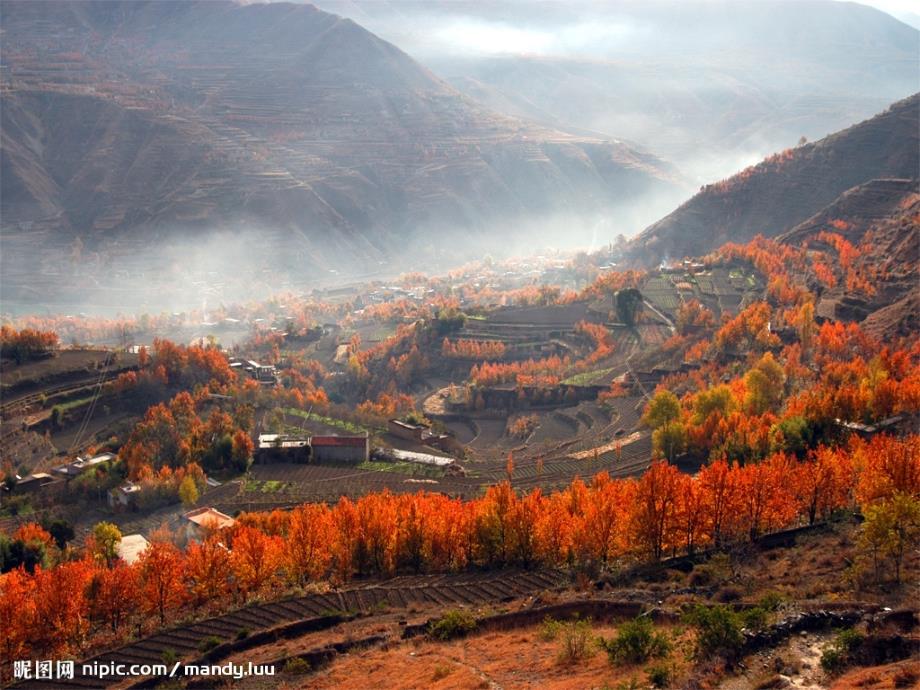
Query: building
201, 522
80, 465
410, 432
131, 547
280, 448
419, 433
340, 448
125, 496
37, 482
263, 373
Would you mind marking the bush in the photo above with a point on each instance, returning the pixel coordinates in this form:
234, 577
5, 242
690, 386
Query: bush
659, 675
636, 641
754, 618
452, 624
208, 643
296, 666
575, 636
169, 656
441, 671
241, 634
728, 594
771, 601
718, 631
841, 651
549, 629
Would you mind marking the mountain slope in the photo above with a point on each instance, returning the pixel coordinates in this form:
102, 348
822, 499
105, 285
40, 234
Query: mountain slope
881, 221
712, 86
142, 120
787, 188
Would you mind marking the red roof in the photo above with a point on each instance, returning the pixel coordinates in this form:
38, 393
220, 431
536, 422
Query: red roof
350, 441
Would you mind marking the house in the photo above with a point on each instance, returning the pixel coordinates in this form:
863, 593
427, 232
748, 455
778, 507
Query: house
263, 373
37, 482
131, 547
199, 523
898, 424
280, 448
340, 448
80, 465
124, 496
410, 432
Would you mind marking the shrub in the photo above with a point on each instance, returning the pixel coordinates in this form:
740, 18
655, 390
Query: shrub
659, 675
754, 618
728, 594
208, 643
549, 629
636, 641
169, 656
575, 636
241, 634
718, 631
452, 624
441, 671
840, 653
296, 666
771, 601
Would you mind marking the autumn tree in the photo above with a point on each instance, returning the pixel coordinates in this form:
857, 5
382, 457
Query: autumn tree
161, 570
106, 538
207, 570
662, 409
891, 529
113, 595
655, 508
306, 554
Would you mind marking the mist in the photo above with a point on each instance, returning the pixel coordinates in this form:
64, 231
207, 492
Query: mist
711, 87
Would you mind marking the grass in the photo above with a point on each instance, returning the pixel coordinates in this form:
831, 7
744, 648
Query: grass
411, 468
586, 378
74, 403
265, 486
328, 421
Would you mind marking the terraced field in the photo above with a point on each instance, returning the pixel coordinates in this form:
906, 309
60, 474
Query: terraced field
284, 485
469, 589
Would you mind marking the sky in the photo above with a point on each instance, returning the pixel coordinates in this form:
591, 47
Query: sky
908, 11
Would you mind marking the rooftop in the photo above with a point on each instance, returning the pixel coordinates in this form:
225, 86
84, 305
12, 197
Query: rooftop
209, 517
131, 547
345, 441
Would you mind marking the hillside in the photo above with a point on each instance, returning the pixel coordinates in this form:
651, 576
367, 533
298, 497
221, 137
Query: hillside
712, 87
788, 188
881, 220
140, 120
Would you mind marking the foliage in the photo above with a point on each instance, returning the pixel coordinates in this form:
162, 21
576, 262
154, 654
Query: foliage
890, 530
660, 675
636, 642
452, 624
839, 654
718, 631
574, 637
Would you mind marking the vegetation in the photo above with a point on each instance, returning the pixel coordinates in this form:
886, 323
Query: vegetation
718, 631
452, 624
636, 642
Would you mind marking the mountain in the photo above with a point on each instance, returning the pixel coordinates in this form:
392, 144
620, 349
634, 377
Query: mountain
129, 124
881, 220
788, 188
711, 85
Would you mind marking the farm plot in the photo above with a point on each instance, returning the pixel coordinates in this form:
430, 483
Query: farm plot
284, 485
465, 430
468, 589
491, 432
